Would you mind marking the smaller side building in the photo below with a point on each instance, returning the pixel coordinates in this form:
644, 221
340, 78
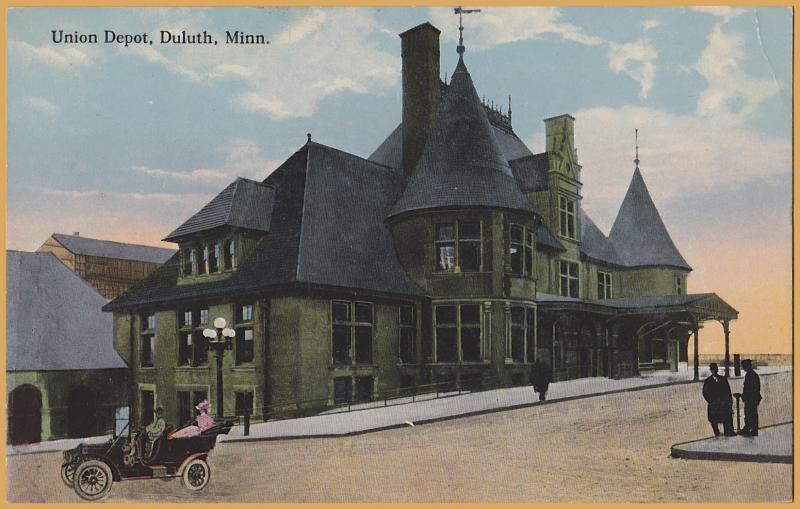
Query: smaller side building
63, 376
110, 267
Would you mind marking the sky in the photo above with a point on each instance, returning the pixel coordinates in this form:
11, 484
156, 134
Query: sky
125, 143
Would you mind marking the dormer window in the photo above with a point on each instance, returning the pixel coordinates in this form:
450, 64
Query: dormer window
189, 261
210, 257
230, 254
204, 262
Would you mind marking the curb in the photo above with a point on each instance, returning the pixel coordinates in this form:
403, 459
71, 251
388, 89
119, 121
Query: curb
675, 452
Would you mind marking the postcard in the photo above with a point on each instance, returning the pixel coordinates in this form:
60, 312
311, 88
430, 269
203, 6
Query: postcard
399, 254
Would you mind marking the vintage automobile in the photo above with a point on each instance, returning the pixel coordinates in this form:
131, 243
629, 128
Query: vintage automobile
90, 469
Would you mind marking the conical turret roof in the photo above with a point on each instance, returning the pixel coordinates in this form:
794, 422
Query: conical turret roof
462, 165
639, 234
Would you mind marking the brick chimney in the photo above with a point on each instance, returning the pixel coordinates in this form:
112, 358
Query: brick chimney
420, 52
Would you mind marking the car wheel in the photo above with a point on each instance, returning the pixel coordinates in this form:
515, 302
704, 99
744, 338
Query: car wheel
68, 473
196, 475
92, 480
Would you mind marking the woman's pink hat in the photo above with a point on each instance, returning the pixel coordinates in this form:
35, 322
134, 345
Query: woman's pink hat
203, 405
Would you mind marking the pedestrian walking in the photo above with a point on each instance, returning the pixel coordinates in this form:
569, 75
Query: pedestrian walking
717, 393
751, 395
541, 376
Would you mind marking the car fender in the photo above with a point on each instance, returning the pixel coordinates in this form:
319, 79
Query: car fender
201, 455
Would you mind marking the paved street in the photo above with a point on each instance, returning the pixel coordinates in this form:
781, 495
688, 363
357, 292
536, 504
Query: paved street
611, 448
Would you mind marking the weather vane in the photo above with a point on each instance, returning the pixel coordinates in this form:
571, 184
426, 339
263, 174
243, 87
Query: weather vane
461, 11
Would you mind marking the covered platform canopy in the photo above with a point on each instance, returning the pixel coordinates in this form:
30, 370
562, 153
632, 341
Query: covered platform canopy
691, 310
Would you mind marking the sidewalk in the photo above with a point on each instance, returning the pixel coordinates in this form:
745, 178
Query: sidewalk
375, 417
772, 445
402, 412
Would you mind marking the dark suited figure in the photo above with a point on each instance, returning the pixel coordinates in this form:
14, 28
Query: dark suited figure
541, 376
751, 395
717, 393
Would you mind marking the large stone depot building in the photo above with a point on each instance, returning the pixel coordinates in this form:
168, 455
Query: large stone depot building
453, 253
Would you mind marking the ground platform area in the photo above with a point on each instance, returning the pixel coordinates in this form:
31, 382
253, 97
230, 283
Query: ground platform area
772, 445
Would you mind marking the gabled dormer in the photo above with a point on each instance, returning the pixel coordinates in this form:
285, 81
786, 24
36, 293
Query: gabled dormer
215, 241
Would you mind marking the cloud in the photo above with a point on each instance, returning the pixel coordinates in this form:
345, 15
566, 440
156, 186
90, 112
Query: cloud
726, 13
302, 27
319, 54
42, 106
729, 87
240, 158
635, 59
53, 56
649, 24
496, 26
116, 195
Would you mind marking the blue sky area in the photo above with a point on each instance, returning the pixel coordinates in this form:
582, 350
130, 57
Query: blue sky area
127, 142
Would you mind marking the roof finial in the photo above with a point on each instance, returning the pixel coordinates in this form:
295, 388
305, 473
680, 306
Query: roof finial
509, 107
637, 150
309, 137
460, 10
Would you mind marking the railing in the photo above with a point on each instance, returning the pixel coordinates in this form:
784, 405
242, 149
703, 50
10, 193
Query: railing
390, 397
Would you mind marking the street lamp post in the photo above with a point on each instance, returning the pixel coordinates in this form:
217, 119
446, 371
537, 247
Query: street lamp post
220, 338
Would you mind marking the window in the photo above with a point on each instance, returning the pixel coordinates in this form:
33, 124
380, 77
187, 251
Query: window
364, 389
459, 245
445, 248
202, 267
604, 285
185, 349
214, 252
342, 389
678, 285
192, 346
566, 214
244, 334
469, 246
230, 254
245, 313
244, 403
187, 401
189, 261
351, 332
148, 341
458, 333
521, 343
569, 279
147, 399
408, 334
521, 241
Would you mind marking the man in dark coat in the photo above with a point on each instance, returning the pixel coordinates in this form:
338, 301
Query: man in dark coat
751, 395
717, 393
541, 376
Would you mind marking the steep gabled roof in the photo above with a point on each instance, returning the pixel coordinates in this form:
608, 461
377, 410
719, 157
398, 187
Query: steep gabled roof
531, 172
639, 234
327, 229
110, 249
595, 245
462, 164
390, 151
54, 319
243, 204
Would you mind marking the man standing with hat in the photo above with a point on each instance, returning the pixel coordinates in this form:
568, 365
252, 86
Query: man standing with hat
751, 395
717, 393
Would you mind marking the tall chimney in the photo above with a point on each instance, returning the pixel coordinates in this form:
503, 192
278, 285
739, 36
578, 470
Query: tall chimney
420, 51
